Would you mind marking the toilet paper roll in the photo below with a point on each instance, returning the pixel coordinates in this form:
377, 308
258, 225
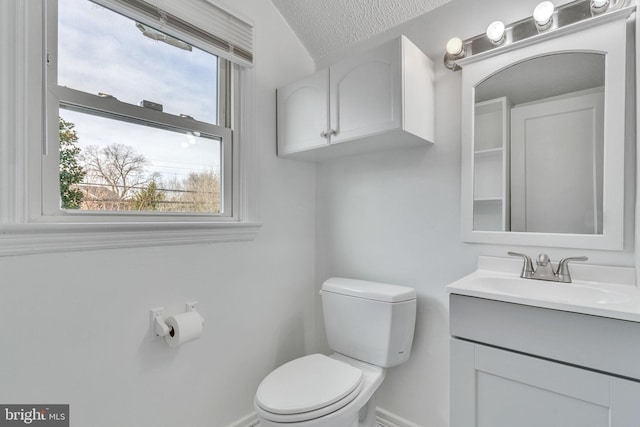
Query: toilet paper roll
183, 328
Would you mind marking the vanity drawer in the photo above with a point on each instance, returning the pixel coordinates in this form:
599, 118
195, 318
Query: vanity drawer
599, 343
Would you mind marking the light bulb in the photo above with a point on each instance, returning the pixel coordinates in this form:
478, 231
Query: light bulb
495, 32
455, 47
542, 14
455, 51
599, 6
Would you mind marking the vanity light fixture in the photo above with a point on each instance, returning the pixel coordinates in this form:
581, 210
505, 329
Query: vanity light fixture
455, 51
496, 32
543, 15
545, 20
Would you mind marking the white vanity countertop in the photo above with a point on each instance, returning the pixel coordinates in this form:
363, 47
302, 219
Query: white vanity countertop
596, 290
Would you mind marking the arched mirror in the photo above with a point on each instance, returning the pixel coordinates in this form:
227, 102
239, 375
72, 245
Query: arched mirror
543, 142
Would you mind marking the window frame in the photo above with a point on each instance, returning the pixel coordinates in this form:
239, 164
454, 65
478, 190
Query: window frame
58, 97
25, 113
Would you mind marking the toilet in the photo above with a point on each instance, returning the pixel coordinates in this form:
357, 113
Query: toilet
370, 327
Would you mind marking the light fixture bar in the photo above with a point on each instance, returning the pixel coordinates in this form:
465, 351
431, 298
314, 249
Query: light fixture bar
562, 16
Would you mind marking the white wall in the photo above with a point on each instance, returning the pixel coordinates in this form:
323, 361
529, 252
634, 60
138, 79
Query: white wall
395, 216
74, 326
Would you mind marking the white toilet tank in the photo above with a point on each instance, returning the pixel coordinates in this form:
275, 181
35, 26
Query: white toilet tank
369, 321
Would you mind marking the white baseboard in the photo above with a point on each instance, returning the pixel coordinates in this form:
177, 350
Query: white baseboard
388, 419
250, 420
383, 417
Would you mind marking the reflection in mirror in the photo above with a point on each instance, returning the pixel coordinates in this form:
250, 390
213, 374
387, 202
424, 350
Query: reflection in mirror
538, 146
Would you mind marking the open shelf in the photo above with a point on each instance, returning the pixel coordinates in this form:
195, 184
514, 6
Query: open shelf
491, 165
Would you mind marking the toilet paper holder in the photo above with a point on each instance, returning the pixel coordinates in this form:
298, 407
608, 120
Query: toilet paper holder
159, 327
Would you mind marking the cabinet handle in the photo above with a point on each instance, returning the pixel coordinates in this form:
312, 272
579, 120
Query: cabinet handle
331, 132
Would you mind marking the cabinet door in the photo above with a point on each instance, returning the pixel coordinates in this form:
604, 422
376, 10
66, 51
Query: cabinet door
365, 93
498, 388
557, 157
303, 109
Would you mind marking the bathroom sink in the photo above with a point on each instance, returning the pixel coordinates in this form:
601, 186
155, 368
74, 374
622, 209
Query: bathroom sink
569, 293
596, 290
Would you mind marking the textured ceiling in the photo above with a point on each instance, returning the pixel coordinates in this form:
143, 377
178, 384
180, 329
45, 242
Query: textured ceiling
326, 26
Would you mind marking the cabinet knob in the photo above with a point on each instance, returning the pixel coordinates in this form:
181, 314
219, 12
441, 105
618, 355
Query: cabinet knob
324, 134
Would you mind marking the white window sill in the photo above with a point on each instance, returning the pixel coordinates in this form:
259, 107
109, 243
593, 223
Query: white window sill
25, 239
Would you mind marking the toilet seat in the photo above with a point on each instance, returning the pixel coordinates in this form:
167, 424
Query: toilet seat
316, 386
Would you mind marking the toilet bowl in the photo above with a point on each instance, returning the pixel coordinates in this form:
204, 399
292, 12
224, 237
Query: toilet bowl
370, 327
322, 391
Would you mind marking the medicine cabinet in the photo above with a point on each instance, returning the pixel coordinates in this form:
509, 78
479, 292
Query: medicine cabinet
543, 137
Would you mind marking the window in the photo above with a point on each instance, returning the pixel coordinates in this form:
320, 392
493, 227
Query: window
139, 114
121, 124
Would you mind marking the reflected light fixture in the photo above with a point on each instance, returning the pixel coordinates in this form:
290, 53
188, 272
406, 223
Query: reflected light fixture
495, 32
455, 51
543, 15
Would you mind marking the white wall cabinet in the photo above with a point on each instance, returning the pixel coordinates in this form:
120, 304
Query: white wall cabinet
382, 98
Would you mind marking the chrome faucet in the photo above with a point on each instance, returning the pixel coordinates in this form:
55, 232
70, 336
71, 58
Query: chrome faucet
544, 269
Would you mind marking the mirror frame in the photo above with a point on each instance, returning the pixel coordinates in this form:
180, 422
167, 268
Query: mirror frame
608, 38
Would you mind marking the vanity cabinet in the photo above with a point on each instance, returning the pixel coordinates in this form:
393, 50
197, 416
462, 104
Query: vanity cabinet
491, 204
497, 388
526, 366
382, 98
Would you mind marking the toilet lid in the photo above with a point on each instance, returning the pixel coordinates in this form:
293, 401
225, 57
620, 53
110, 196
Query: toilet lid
308, 384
